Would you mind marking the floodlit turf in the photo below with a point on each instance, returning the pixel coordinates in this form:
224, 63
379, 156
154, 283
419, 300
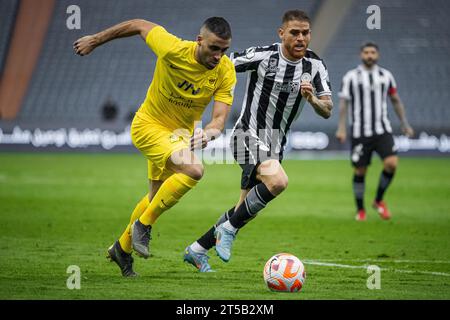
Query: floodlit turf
58, 210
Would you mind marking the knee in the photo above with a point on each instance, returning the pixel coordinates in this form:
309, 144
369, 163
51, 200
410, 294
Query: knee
277, 184
195, 171
390, 165
361, 171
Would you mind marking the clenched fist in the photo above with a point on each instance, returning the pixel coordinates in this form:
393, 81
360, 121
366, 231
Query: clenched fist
306, 90
199, 140
85, 45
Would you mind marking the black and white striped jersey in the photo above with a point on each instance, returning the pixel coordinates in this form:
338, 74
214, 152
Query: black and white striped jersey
273, 100
367, 92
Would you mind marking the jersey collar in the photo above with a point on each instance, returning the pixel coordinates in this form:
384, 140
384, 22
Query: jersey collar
286, 59
362, 68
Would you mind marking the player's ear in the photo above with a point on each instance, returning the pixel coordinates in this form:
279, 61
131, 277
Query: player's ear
199, 39
280, 32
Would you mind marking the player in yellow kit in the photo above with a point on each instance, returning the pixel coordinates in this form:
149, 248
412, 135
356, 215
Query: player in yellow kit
187, 75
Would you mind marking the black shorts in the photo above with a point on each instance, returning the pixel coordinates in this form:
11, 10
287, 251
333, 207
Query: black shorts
362, 149
249, 153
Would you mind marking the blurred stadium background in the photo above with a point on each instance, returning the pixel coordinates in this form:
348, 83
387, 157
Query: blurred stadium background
51, 99
60, 208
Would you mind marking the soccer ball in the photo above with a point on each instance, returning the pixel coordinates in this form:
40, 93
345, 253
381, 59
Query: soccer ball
284, 272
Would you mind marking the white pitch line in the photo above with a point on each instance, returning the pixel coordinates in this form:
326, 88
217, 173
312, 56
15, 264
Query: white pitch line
386, 260
421, 272
328, 264
338, 265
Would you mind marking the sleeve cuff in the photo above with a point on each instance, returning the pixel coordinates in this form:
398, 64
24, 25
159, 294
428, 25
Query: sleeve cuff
343, 96
323, 93
226, 101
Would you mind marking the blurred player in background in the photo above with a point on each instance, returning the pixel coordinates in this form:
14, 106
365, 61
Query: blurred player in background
281, 78
366, 89
187, 75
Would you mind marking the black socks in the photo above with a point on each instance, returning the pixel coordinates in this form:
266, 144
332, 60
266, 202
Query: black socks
385, 181
358, 191
255, 201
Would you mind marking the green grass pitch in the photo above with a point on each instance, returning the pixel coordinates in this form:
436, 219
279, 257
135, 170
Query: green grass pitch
58, 210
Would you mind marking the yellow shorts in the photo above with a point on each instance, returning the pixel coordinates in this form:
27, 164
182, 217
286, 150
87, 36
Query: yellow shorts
157, 143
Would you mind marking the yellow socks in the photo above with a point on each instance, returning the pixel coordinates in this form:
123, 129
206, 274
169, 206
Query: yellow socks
125, 238
147, 212
167, 196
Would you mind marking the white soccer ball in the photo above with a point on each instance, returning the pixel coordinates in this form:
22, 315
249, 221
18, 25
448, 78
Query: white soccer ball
284, 272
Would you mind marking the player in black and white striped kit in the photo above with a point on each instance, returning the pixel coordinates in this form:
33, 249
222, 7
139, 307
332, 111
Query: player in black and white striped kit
281, 78
366, 89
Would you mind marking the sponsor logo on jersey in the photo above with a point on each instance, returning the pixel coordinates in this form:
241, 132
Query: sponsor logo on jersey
175, 67
272, 67
211, 81
188, 86
306, 77
250, 53
289, 87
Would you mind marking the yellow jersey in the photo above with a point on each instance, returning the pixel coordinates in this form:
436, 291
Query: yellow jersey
182, 88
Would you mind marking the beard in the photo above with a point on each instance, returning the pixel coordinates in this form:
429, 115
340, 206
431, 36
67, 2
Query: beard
369, 62
296, 54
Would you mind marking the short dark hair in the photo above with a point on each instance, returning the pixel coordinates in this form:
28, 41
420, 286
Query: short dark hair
369, 45
295, 15
219, 26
